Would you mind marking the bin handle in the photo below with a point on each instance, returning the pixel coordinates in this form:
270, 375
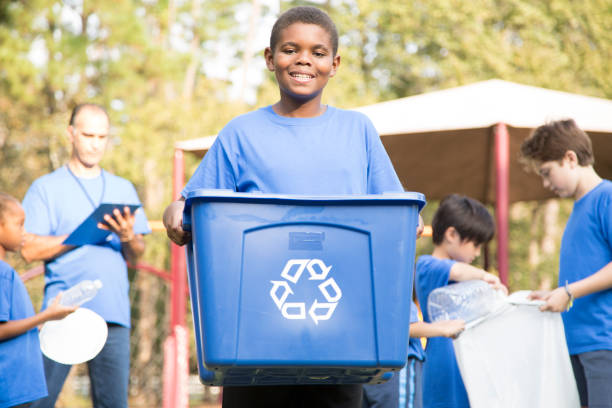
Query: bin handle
187, 216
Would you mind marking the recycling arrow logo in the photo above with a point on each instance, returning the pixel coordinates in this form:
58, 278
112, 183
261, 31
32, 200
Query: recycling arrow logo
291, 274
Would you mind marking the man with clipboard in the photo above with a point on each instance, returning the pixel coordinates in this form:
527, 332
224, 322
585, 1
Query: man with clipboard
56, 205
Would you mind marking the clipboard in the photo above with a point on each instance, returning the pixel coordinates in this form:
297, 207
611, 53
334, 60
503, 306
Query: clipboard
88, 232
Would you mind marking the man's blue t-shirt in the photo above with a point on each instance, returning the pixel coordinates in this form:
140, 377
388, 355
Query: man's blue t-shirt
586, 247
415, 349
55, 204
338, 152
442, 383
22, 376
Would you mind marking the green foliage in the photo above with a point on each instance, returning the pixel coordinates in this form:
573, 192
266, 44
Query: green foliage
418, 46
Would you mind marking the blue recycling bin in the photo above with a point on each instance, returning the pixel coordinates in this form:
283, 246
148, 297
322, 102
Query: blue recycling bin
300, 289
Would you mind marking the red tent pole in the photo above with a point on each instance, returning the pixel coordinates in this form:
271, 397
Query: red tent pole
176, 347
178, 261
502, 181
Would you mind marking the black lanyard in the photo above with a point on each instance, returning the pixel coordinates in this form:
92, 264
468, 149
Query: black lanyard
93, 204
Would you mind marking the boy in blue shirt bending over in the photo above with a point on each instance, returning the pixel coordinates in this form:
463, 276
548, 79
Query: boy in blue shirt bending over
296, 146
562, 155
21, 366
460, 226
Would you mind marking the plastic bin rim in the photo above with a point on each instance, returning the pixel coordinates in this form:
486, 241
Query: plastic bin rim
232, 196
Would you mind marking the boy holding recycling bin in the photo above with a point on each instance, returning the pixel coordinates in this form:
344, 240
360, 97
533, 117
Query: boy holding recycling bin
296, 146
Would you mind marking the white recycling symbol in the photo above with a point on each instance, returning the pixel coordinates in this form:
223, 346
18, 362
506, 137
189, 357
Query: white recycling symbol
291, 274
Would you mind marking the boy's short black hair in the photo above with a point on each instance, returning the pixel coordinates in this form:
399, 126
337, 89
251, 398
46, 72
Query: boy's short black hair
306, 15
469, 217
5, 200
552, 140
86, 105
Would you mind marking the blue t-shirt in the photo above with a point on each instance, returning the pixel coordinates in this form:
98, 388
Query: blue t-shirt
338, 152
55, 204
415, 349
22, 376
586, 247
442, 383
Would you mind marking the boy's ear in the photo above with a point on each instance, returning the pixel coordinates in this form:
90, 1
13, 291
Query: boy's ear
451, 234
269, 57
335, 65
571, 157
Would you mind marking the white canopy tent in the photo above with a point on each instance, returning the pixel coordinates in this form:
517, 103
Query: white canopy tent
486, 103
444, 141
466, 140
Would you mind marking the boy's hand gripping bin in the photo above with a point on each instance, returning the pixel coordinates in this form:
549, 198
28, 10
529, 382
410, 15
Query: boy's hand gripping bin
300, 290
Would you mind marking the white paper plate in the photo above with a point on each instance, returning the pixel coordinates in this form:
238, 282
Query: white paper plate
75, 339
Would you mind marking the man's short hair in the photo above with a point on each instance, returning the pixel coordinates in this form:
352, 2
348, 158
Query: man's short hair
469, 217
551, 141
306, 15
5, 201
85, 106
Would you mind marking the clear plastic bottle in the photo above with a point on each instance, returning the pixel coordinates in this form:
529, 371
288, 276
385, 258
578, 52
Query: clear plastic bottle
80, 293
467, 300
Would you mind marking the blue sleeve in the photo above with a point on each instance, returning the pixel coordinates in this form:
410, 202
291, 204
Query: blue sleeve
6, 289
381, 174
605, 216
141, 224
38, 219
216, 171
432, 273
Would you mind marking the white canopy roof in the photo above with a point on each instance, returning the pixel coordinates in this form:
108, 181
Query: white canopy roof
478, 105
486, 103
443, 141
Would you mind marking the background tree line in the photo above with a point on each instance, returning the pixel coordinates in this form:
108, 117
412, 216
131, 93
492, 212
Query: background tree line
149, 62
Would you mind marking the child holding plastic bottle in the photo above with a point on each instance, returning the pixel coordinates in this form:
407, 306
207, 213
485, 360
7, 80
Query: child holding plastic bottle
460, 226
562, 155
404, 389
21, 366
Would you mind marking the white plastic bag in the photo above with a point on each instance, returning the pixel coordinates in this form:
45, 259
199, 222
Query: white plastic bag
517, 358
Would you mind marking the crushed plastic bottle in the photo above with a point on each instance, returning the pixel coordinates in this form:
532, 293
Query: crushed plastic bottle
80, 293
467, 300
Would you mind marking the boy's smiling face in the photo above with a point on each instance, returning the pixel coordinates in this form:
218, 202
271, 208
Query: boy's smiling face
302, 61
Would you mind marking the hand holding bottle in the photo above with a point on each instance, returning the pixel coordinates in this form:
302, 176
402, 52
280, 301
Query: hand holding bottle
56, 310
80, 293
